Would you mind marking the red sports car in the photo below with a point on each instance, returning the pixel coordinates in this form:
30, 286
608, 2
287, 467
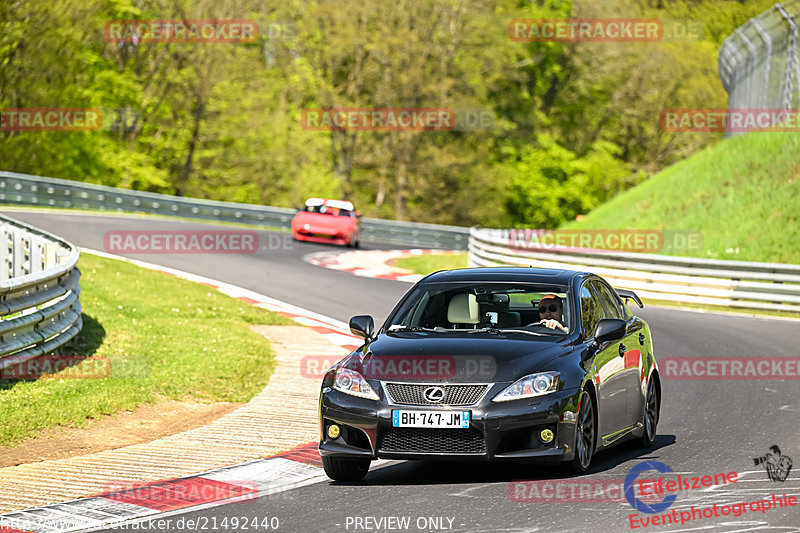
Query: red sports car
322, 220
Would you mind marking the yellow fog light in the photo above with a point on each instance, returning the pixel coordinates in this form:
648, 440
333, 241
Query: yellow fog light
333, 431
546, 435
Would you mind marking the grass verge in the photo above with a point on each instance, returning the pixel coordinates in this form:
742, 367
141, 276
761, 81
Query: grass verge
165, 338
425, 264
742, 195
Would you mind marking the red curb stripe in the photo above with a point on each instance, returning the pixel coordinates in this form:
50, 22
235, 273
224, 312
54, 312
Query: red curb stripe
305, 453
4, 529
332, 262
178, 494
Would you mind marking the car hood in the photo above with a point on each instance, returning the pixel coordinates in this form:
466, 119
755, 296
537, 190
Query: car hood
456, 357
322, 223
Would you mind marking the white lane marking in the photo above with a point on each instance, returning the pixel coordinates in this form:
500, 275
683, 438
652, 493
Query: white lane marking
338, 338
267, 475
410, 278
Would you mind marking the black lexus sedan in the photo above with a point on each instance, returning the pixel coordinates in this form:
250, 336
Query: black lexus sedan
508, 363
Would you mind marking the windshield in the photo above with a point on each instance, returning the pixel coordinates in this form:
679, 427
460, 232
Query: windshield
450, 307
327, 210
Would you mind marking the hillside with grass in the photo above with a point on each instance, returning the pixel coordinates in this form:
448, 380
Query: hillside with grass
742, 194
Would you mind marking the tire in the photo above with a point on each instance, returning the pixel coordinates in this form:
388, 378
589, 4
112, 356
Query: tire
345, 470
585, 430
651, 409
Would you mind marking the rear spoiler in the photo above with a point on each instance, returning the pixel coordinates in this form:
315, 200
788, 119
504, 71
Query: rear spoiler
629, 295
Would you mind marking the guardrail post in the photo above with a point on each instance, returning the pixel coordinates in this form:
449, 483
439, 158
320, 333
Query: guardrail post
6, 252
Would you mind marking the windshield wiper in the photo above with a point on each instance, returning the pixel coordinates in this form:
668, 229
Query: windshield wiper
397, 328
525, 331
505, 330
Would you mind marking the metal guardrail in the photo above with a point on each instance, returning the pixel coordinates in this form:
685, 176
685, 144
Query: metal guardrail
767, 286
23, 189
39, 291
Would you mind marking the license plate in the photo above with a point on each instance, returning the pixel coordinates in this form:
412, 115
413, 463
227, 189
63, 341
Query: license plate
430, 419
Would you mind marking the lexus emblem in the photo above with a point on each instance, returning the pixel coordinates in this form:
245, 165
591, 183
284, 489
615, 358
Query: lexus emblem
434, 394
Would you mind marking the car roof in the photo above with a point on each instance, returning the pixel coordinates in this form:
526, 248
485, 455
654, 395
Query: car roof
522, 274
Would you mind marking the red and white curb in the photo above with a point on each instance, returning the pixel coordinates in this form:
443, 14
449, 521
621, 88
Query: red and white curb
371, 263
241, 484
235, 484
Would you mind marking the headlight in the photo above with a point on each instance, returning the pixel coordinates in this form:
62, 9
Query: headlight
353, 383
529, 386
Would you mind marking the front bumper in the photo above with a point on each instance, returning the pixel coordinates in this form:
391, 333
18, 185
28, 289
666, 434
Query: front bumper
326, 238
498, 430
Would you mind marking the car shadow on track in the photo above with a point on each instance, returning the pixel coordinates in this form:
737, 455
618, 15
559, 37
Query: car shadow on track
455, 472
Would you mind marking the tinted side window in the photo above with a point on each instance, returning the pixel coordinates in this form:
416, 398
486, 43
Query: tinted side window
611, 302
591, 311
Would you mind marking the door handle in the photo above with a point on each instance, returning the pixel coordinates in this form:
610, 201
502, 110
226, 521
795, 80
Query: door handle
622, 350
641, 339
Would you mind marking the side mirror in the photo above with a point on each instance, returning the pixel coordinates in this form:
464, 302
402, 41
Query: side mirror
609, 329
362, 325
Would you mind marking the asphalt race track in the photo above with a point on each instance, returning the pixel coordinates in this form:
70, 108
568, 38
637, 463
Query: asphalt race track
707, 427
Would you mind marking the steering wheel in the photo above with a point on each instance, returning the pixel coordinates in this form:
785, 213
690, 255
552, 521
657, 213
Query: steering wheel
542, 323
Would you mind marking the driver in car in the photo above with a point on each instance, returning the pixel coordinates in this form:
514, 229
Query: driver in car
551, 312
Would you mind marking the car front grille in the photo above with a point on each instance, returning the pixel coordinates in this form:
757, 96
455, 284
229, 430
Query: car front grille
412, 394
421, 440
